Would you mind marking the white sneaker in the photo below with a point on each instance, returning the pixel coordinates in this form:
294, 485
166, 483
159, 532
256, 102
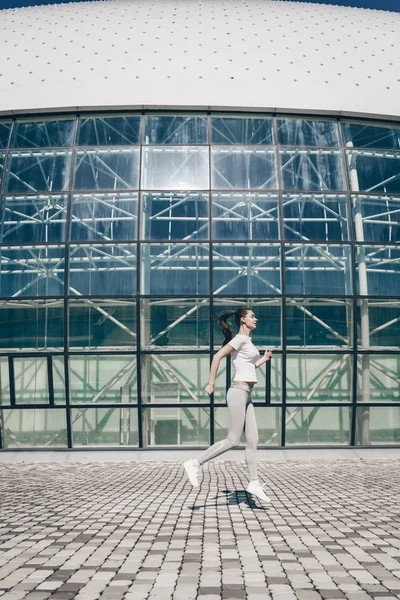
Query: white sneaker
256, 489
192, 471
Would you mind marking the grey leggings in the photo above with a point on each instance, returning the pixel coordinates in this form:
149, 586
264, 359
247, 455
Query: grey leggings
241, 416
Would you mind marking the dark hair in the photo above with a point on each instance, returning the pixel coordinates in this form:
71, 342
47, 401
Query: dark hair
222, 321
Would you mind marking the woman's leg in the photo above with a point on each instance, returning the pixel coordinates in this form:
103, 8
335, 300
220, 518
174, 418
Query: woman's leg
236, 399
251, 441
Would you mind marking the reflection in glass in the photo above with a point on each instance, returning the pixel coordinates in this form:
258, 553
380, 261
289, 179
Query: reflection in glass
320, 217
2, 156
175, 323
246, 269
378, 425
328, 425
383, 322
31, 324
174, 378
106, 169
245, 216
175, 269
58, 372
34, 427
243, 168
372, 171
378, 378
104, 427
103, 379
29, 219
108, 217
318, 270
108, 131
167, 129
5, 128
307, 132
369, 135
318, 323
4, 383
178, 426
102, 268
380, 218
175, 168
37, 171
31, 380
31, 271
312, 169
268, 424
242, 130
380, 266
174, 216
102, 324
42, 133
319, 377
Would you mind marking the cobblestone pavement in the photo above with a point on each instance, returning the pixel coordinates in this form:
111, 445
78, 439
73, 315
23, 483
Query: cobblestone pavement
138, 531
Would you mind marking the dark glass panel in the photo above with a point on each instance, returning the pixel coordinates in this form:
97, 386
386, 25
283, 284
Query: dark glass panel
242, 130
108, 131
174, 129
37, 171
307, 132
378, 323
312, 169
368, 135
31, 324
107, 217
107, 169
377, 218
378, 270
372, 171
30, 219
174, 216
43, 134
245, 216
5, 128
318, 217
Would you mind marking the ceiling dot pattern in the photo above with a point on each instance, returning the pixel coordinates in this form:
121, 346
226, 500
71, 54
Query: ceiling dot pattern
218, 54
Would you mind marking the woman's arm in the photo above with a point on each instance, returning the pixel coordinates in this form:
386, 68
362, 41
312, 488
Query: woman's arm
224, 351
264, 359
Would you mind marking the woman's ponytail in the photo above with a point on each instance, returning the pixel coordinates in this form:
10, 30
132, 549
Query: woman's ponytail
226, 329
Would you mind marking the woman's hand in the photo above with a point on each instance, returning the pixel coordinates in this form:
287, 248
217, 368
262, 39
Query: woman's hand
268, 355
209, 389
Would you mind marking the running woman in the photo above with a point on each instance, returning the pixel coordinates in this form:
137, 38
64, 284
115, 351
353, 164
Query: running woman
245, 359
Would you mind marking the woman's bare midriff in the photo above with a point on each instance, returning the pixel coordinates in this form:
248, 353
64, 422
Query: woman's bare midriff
250, 383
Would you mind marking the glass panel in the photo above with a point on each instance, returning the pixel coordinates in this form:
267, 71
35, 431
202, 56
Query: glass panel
268, 312
246, 269
177, 323
58, 379
382, 270
31, 271
242, 130
102, 324
318, 425
171, 269
4, 382
318, 323
178, 426
173, 129
380, 218
378, 425
103, 217
241, 216
174, 378
108, 131
94, 270
107, 169
4, 133
31, 380
34, 427
315, 217
2, 156
369, 135
32, 324
179, 168
307, 132
268, 425
38, 171
104, 427
374, 171
174, 216
243, 168
378, 323
43, 134
311, 169
319, 377
318, 269
272, 379
29, 219
103, 379
378, 378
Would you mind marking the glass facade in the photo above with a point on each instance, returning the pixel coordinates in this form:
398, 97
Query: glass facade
124, 236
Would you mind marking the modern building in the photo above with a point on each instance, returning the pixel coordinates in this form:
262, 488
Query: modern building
165, 160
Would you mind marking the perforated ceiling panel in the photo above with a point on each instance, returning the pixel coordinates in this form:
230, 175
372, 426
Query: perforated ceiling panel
232, 54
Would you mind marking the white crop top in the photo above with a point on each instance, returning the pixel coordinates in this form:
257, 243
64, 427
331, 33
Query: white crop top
244, 358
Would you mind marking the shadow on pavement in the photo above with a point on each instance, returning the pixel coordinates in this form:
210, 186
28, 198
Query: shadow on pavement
232, 498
